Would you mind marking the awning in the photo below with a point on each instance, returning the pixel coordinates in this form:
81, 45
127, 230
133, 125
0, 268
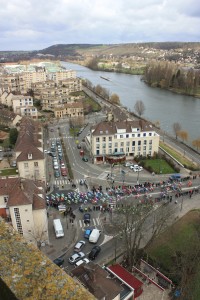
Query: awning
118, 153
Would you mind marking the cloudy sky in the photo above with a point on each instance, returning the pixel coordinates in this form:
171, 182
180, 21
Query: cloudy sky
37, 24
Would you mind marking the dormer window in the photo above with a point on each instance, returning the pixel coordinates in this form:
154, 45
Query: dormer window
101, 132
30, 156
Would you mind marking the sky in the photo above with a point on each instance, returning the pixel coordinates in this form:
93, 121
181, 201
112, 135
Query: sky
38, 24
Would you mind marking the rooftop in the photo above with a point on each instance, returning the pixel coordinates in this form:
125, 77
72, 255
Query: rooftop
29, 274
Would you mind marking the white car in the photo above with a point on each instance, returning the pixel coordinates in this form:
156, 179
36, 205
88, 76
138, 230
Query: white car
134, 167
82, 261
128, 164
138, 169
79, 246
75, 257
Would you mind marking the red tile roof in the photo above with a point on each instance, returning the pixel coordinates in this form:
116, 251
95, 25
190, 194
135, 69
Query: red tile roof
126, 276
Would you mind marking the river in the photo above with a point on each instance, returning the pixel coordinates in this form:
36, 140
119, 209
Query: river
161, 105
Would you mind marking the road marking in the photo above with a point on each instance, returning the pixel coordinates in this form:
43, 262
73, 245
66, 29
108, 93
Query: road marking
80, 223
94, 222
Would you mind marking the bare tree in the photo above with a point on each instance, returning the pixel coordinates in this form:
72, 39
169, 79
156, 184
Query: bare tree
115, 99
196, 143
183, 135
139, 225
176, 128
129, 221
139, 107
39, 234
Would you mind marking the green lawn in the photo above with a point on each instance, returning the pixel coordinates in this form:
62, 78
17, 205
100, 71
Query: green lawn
159, 166
177, 239
178, 156
7, 172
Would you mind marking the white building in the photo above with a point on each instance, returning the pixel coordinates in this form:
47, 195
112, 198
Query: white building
112, 141
29, 151
23, 204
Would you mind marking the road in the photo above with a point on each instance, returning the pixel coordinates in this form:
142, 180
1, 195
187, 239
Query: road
95, 176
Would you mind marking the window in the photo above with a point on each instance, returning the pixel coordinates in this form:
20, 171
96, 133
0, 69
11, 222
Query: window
139, 143
110, 151
144, 147
97, 146
150, 134
110, 145
150, 147
104, 145
5, 199
122, 144
121, 149
115, 136
127, 135
133, 149
133, 135
104, 139
35, 164
101, 132
27, 220
150, 142
121, 136
110, 138
127, 149
97, 152
116, 145
145, 142
18, 220
138, 135
139, 148
97, 140
133, 143
104, 151
127, 144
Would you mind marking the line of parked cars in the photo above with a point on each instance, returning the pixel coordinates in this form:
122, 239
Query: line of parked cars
135, 168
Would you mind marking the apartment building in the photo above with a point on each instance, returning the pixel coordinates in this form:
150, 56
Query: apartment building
115, 141
70, 110
29, 151
23, 205
21, 104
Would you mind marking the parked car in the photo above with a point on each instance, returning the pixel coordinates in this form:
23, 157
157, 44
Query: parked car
87, 233
59, 261
86, 218
128, 164
138, 169
82, 261
75, 257
64, 172
94, 252
78, 247
85, 158
57, 173
132, 167
13, 164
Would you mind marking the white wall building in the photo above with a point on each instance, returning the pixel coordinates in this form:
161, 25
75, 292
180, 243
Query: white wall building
122, 139
22, 202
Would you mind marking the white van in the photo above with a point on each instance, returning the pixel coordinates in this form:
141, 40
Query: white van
94, 236
58, 228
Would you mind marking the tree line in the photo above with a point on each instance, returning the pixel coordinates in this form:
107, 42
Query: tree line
102, 92
169, 75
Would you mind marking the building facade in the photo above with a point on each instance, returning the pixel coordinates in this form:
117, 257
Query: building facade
122, 140
23, 205
28, 151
